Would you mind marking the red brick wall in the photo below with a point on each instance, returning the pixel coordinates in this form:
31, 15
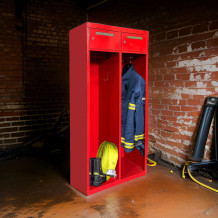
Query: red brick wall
183, 66
34, 65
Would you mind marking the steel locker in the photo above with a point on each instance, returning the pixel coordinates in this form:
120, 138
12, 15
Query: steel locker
97, 54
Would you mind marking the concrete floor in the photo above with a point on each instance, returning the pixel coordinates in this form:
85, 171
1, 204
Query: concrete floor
34, 188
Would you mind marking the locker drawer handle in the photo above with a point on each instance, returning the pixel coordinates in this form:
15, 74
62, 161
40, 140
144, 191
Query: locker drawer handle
134, 37
104, 34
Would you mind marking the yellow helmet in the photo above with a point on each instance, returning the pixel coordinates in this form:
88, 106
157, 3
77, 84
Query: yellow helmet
108, 153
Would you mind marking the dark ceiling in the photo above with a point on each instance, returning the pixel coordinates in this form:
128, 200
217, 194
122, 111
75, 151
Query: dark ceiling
89, 3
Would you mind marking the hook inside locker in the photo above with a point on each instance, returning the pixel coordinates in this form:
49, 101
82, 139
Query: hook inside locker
106, 76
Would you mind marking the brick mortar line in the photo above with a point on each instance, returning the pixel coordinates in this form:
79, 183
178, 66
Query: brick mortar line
24, 131
190, 35
9, 127
167, 31
190, 52
26, 116
185, 66
180, 28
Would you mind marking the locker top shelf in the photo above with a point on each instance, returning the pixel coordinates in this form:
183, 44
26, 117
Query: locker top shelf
114, 28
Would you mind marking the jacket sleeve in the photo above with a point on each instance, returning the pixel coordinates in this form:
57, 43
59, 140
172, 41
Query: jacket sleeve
139, 136
130, 126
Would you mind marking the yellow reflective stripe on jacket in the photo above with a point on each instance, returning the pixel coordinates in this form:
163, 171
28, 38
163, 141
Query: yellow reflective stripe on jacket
131, 108
128, 143
139, 138
126, 146
139, 135
122, 140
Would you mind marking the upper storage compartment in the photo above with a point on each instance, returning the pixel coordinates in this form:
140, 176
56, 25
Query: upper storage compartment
104, 40
133, 42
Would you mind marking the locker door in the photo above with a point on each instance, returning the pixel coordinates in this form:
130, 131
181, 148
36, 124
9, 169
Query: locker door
104, 39
133, 42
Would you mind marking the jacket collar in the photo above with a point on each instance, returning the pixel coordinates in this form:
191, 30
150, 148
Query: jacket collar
128, 74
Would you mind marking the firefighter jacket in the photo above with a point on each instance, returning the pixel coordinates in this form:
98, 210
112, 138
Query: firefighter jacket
133, 111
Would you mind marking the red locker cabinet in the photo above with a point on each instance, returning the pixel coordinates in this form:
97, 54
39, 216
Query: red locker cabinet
97, 53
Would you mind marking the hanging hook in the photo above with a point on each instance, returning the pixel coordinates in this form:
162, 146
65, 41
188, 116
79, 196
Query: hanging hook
130, 59
106, 77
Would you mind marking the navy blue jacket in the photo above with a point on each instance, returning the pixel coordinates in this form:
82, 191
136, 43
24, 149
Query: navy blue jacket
133, 111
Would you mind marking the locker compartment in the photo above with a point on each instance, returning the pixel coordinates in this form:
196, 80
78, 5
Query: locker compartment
133, 42
134, 163
104, 104
103, 39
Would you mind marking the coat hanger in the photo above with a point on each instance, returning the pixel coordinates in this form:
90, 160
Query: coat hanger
127, 65
130, 59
